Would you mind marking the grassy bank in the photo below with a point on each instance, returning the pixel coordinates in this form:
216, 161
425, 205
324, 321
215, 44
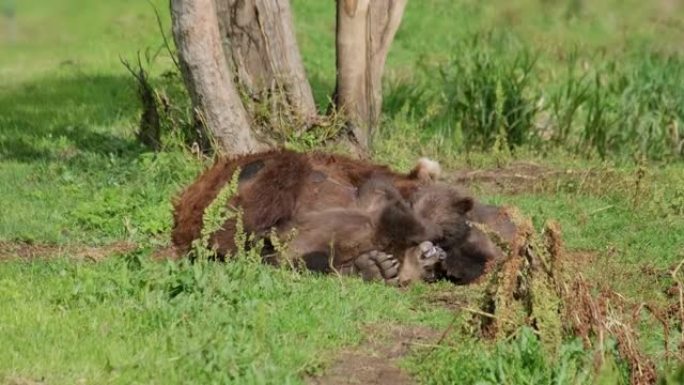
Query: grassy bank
584, 102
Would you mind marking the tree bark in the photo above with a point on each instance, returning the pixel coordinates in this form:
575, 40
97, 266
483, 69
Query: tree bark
242, 67
261, 49
365, 30
207, 76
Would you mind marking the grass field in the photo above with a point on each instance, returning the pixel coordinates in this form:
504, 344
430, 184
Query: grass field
576, 109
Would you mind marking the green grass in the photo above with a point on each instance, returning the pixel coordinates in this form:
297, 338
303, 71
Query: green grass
124, 321
520, 362
582, 86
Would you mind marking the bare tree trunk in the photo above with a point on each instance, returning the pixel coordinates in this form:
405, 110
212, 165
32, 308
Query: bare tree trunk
261, 48
365, 30
207, 76
243, 69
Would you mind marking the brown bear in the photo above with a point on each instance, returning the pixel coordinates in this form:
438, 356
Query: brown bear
276, 188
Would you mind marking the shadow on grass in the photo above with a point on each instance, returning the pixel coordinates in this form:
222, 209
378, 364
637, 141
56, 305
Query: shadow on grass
63, 116
75, 114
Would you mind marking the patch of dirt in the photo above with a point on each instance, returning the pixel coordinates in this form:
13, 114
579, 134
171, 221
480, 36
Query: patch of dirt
31, 251
579, 259
22, 381
28, 251
448, 298
528, 177
375, 361
515, 178
168, 252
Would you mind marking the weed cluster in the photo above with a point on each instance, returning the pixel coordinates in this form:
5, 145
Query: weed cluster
497, 89
546, 323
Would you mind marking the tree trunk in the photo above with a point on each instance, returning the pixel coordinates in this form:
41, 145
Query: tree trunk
242, 67
365, 30
261, 49
207, 76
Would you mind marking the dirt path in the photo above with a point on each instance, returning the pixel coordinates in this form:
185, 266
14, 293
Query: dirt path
16, 250
514, 178
31, 251
376, 360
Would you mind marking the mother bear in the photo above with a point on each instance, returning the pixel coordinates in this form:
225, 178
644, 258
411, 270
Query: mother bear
275, 186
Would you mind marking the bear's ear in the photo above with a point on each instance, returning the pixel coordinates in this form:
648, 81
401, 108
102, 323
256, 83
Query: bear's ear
427, 170
463, 205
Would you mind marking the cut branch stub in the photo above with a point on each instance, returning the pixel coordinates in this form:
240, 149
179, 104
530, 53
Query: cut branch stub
261, 49
365, 30
207, 77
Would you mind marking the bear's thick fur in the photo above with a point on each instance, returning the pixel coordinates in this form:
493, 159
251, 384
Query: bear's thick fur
380, 219
277, 187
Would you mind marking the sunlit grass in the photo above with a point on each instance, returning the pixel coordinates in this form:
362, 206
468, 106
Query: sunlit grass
600, 104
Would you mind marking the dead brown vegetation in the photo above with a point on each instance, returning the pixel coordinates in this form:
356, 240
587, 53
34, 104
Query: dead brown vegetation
539, 285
